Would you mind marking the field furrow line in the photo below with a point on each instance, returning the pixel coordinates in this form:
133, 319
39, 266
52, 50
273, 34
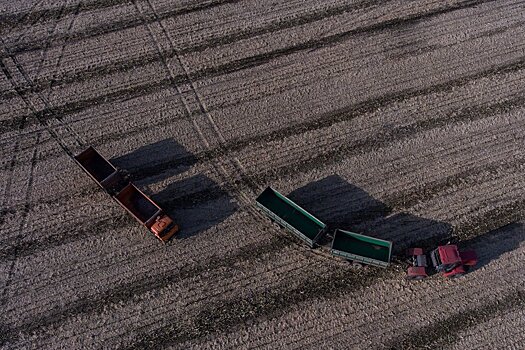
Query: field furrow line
370, 105
171, 285
433, 186
170, 14
388, 304
228, 314
213, 71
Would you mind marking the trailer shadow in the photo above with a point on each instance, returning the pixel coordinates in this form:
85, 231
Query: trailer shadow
164, 158
342, 205
339, 203
196, 203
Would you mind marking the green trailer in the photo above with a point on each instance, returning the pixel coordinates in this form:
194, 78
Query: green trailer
291, 216
362, 249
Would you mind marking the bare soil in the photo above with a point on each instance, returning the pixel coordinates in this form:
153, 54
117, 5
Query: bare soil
402, 120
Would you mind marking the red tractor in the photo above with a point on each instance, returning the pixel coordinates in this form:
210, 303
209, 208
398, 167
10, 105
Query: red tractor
445, 258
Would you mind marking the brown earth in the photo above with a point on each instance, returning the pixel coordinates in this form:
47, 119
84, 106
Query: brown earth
403, 120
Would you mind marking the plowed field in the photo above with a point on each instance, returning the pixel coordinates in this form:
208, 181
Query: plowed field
403, 120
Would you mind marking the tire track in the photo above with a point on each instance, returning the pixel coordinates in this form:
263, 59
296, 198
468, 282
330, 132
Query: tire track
12, 163
25, 19
263, 58
343, 114
47, 43
112, 27
488, 221
30, 186
40, 116
231, 188
209, 119
52, 81
449, 329
23, 222
367, 145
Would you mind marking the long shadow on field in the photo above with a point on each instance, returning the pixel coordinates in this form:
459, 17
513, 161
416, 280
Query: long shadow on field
164, 156
342, 205
489, 246
493, 244
338, 203
196, 203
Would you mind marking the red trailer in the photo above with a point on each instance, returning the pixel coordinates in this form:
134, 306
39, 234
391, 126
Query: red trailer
146, 212
447, 259
101, 171
140, 206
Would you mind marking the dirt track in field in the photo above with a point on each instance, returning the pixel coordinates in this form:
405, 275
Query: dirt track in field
403, 120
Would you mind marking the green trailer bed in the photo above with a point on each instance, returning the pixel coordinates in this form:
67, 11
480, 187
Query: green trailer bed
294, 218
361, 248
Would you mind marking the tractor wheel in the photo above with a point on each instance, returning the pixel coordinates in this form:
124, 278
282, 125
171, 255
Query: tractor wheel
456, 272
416, 273
414, 251
457, 275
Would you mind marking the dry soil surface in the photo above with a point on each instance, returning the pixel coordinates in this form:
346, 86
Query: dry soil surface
404, 120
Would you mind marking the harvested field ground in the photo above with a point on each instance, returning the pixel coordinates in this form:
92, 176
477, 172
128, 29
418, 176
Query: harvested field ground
404, 120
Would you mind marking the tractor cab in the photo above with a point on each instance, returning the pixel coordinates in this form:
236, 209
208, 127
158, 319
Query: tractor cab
445, 258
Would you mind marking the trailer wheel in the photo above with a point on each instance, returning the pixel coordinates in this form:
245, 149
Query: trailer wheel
457, 272
357, 265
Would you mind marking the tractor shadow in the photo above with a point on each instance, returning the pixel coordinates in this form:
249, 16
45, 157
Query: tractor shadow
493, 244
342, 205
196, 203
